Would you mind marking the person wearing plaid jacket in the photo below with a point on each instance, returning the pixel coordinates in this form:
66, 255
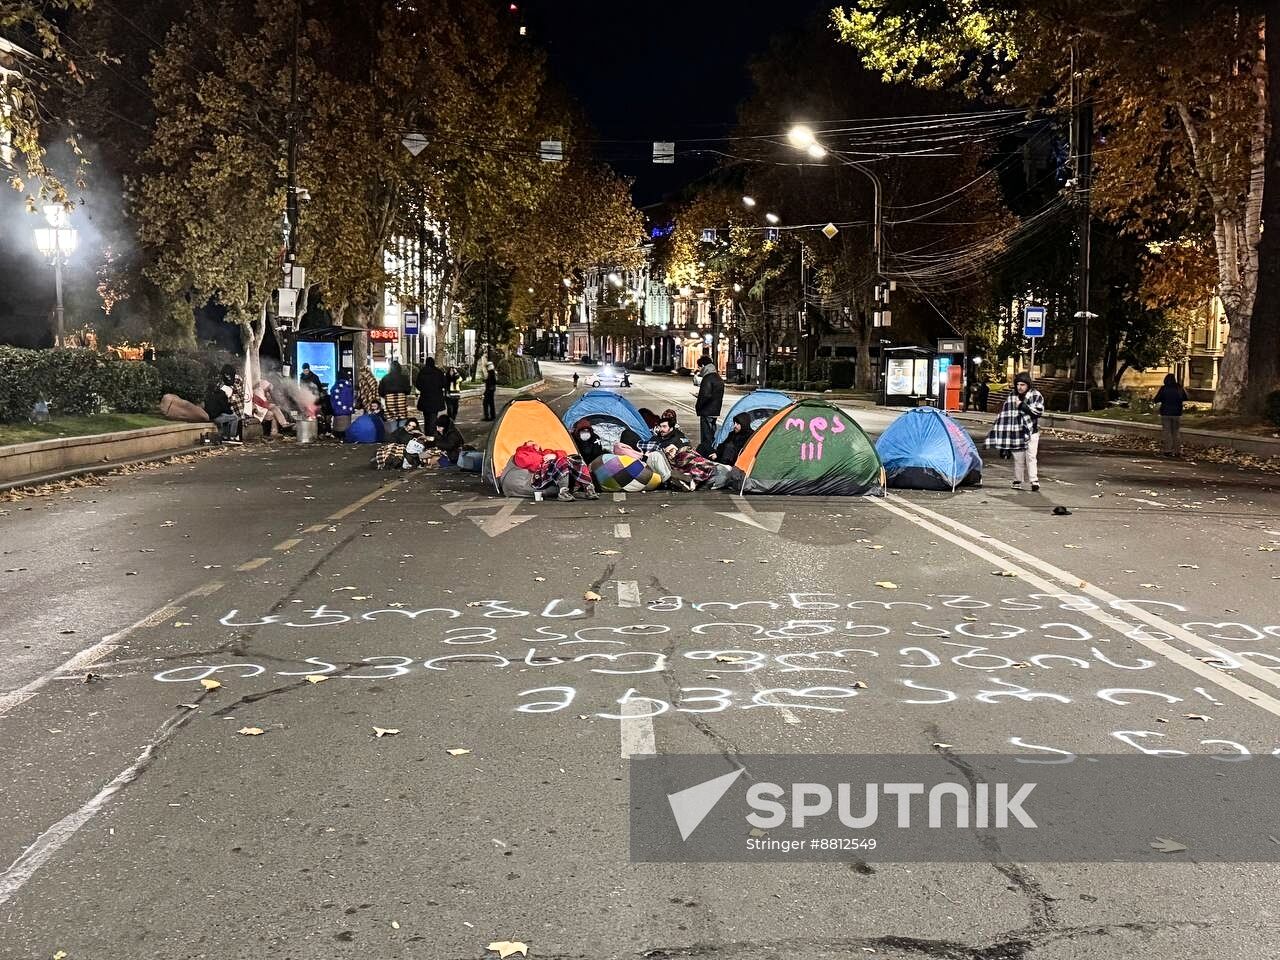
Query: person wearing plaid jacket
1016, 431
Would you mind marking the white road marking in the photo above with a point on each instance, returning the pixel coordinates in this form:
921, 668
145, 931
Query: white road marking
288, 544
636, 730
628, 593
968, 539
788, 715
253, 564
316, 528
204, 590
87, 657
364, 501
52, 840
622, 531
619, 497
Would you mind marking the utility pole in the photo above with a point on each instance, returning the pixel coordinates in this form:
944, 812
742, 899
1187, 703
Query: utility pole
422, 272
291, 199
1082, 150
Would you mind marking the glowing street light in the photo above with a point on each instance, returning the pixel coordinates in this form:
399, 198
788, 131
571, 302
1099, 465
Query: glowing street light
817, 151
801, 137
773, 219
748, 202
615, 279
57, 242
567, 282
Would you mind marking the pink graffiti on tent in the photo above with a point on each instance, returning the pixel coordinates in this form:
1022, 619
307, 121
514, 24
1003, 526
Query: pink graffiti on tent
817, 428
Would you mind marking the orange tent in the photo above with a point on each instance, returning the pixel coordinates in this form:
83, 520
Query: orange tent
523, 420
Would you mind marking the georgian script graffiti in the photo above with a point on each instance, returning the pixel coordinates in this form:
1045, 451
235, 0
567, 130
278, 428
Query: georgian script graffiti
817, 429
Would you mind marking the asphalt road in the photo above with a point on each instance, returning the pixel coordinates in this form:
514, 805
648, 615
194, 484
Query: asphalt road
136, 821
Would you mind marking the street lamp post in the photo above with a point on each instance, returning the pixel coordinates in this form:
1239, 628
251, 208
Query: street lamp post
57, 242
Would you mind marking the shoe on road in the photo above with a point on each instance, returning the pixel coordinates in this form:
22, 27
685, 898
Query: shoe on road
1035, 488
589, 494
1017, 484
564, 496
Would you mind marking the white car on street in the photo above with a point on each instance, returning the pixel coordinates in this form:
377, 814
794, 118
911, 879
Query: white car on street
607, 375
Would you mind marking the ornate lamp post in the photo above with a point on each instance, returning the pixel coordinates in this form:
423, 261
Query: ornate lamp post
57, 242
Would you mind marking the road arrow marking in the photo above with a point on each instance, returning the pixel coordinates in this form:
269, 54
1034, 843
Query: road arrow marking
505, 519
461, 506
768, 521
691, 805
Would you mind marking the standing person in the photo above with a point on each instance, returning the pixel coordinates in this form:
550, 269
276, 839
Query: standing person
1171, 398
490, 389
983, 393
367, 390
394, 391
453, 391
1017, 431
710, 400
342, 397
575, 380
431, 401
310, 380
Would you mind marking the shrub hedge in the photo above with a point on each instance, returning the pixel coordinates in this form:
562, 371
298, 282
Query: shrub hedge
74, 382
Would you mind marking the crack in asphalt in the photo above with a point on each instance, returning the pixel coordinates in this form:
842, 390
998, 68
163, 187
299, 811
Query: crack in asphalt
1041, 907
1015, 945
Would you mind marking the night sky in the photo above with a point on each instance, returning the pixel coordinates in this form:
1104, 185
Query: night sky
658, 70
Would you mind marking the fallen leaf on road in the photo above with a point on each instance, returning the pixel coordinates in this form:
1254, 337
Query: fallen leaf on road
1166, 846
381, 732
316, 678
607, 553
539, 579
591, 595
876, 546
360, 598
190, 706
859, 685
1161, 720
1189, 566
1196, 716
757, 832
210, 684
723, 659
726, 561
60, 955
887, 584
395, 924
251, 731
1269, 549
457, 752
942, 746
1072, 546
1003, 573
507, 948
1149, 586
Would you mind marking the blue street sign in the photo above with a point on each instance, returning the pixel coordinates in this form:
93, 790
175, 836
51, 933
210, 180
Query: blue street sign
410, 324
1033, 321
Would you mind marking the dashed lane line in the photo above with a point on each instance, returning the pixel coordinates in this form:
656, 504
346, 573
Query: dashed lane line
288, 544
253, 564
1020, 564
365, 501
628, 593
622, 531
636, 731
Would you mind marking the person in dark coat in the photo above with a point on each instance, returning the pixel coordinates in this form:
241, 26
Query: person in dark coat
448, 438
728, 451
311, 380
453, 391
588, 444
394, 390
981, 393
1170, 398
431, 399
490, 391
710, 400
217, 405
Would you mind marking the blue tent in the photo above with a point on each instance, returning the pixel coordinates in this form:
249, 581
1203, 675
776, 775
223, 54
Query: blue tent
366, 429
610, 413
925, 449
761, 404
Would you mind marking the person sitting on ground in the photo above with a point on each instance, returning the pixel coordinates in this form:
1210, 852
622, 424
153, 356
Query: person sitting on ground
448, 437
729, 450
266, 409
684, 469
394, 391
403, 449
556, 469
217, 405
588, 443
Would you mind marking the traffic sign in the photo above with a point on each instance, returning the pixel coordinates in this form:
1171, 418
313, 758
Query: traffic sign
1033, 321
951, 345
410, 324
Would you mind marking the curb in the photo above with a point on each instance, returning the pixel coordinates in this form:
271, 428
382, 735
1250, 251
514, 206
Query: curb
97, 468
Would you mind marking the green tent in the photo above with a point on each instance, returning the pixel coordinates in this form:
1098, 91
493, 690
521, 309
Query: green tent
811, 448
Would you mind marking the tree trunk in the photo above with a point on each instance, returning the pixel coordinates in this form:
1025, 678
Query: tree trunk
862, 376
1264, 339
